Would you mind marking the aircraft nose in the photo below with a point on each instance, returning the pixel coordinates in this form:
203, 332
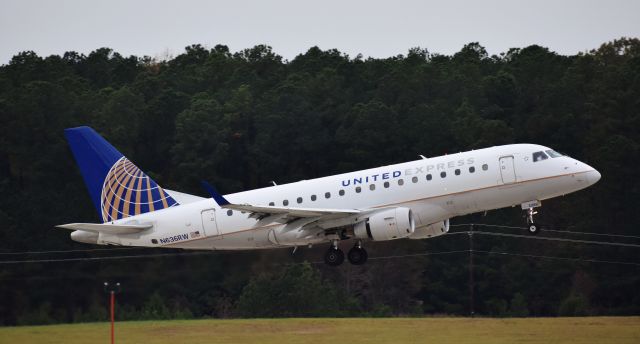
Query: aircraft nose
593, 176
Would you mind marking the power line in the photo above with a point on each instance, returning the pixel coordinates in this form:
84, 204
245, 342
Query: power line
485, 225
320, 262
416, 255
547, 230
139, 256
548, 238
591, 233
70, 251
507, 254
188, 254
557, 258
461, 232
173, 254
593, 242
451, 233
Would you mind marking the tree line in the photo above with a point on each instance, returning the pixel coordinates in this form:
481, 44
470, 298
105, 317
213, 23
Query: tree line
243, 119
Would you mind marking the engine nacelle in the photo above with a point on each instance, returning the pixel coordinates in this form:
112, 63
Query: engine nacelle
387, 224
432, 230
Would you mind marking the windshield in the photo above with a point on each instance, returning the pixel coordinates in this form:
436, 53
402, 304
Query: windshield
538, 156
554, 154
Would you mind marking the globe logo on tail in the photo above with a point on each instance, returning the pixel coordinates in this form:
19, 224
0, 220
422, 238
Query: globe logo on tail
128, 191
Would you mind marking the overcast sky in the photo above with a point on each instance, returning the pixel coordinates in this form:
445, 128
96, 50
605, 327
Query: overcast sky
372, 28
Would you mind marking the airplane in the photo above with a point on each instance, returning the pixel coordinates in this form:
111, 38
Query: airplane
413, 200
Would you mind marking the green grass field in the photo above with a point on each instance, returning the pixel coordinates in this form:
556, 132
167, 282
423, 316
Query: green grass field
599, 330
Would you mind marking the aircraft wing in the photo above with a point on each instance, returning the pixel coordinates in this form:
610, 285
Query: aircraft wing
106, 227
280, 214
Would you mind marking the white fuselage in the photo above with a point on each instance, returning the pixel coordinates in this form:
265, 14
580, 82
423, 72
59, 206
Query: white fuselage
435, 189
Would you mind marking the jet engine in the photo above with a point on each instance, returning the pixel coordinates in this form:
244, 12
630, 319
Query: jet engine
432, 230
387, 224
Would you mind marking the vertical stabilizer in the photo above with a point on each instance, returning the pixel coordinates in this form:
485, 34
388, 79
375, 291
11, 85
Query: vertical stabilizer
117, 187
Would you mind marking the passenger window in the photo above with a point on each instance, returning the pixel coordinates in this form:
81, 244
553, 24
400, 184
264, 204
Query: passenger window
485, 167
539, 156
272, 204
341, 193
414, 179
299, 200
285, 202
429, 177
327, 195
443, 174
386, 184
229, 212
358, 189
400, 182
457, 171
372, 187
313, 198
472, 169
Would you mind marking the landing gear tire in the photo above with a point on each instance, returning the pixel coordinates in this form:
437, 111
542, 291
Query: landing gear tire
357, 255
334, 257
533, 228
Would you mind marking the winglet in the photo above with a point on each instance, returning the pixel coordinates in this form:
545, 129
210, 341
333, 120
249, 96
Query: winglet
214, 194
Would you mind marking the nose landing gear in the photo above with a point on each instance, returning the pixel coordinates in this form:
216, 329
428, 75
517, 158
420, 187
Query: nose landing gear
532, 227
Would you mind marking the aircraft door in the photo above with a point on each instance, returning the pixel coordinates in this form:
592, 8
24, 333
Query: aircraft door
507, 169
209, 225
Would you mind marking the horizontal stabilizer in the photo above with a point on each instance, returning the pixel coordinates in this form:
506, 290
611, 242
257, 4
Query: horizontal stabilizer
106, 228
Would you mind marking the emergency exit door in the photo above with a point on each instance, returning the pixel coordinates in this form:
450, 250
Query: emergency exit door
507, 170
209, 223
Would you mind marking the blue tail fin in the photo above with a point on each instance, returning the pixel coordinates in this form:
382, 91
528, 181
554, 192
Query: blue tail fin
118, 188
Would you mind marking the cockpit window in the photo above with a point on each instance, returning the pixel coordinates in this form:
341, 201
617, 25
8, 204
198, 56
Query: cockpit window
554, 154
538, 156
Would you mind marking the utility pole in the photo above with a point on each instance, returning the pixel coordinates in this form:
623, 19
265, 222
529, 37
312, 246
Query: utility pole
112, 289
471, 284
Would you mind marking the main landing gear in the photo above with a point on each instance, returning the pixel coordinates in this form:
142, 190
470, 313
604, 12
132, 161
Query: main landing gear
356, 256
334, 255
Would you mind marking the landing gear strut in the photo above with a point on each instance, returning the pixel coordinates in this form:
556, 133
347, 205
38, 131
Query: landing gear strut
357, 255
334, 255
532, 227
